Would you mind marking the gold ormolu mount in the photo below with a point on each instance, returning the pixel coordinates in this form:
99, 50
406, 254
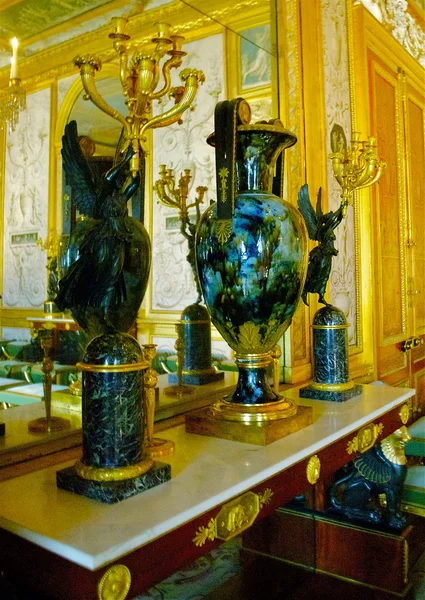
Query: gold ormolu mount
154, 447
259, 424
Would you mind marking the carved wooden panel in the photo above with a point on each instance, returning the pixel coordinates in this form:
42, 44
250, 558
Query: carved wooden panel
389, 216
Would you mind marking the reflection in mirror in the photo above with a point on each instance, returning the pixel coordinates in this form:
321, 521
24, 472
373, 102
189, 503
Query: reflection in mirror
235, 49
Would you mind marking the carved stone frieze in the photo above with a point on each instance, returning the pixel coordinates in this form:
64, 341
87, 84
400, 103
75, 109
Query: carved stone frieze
402, 25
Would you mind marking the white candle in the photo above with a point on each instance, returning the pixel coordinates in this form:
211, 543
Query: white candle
14, 60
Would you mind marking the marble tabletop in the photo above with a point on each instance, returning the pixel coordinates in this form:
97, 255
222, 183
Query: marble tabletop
205, 473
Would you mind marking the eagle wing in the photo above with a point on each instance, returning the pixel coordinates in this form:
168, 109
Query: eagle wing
77, 172
307, 211
372, 467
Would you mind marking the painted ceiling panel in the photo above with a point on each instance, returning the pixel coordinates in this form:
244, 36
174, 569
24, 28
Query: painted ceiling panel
29, 18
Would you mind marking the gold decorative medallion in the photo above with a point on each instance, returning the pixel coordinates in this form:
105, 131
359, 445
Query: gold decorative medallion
114, 584
313, 469
404, 413
234, 517
365, 438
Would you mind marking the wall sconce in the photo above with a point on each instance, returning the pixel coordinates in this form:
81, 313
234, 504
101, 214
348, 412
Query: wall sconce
13, 99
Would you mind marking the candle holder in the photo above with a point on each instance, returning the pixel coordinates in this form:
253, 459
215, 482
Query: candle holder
140, 76
179, 389
357, 167
196, 367
47, 424
154, 447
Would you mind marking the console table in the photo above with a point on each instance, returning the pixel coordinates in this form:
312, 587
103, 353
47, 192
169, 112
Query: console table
72, 547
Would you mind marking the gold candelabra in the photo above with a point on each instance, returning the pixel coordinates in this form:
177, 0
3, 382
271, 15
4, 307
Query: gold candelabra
140, 77
175, 196
357, 167
13, 99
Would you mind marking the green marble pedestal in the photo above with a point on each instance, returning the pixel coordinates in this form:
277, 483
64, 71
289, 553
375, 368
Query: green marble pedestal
341, 396
111, 492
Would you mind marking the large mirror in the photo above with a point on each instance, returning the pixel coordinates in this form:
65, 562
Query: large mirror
236, 49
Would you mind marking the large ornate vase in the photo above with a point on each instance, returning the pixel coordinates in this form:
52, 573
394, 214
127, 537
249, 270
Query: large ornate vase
252, 280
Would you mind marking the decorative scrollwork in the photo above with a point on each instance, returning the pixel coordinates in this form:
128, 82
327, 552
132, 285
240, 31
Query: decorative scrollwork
205, 533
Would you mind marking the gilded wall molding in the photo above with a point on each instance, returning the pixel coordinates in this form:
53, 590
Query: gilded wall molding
290, 81
402, 25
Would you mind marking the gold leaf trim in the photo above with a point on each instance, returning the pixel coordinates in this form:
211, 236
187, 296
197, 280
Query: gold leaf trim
265, 497
250, 338
205, 533
223, 230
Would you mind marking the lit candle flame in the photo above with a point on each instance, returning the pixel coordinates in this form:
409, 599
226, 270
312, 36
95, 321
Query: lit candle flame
14, 59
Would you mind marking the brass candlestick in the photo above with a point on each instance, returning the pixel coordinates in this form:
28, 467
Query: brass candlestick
176, 197
139, 78
179, 389
154, 447
48, 423
357, 167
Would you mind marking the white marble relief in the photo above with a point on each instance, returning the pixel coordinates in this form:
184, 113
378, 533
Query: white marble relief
402, 25
184, 147
338, 125
26, 205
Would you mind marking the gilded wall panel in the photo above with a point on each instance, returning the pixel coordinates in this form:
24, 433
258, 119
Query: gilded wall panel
26, 205
184, 147
338, 131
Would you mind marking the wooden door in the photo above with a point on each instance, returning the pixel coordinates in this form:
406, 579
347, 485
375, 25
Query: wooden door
397, 120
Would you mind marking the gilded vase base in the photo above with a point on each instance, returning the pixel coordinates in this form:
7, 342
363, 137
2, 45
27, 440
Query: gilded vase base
158, 448
111, 492
253, 413
330, 395
179, 390
42, 425
256, 432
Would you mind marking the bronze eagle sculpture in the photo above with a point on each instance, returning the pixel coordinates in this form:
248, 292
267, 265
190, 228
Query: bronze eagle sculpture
320, 228
105, 285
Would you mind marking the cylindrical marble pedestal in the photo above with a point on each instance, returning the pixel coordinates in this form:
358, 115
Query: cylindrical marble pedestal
113, 466
330, 358
196, 338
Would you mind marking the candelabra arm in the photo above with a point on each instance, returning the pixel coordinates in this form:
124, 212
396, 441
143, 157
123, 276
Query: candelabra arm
192, 80
123, 69
171, 63
159, 189
88, 66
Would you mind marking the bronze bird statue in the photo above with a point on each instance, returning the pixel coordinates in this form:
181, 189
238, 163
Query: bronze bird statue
320, 228
105, 285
